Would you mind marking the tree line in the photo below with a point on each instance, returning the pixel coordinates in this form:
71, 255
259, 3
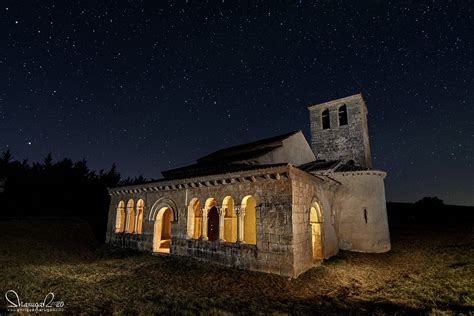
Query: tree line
63, 188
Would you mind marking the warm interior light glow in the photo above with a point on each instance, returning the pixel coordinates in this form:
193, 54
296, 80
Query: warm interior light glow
120, 218
230, 220
194, 219
315, 219
139, 218
162, 231
250, 230
130, 223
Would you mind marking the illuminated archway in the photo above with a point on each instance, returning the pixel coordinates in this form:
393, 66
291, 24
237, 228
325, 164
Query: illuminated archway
249, 220
120, 217
194, 220
208, 206
130, 223
230, 220
162, 231
213, 224
316, 220
139, 217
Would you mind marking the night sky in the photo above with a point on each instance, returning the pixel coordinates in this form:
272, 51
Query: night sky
154, 85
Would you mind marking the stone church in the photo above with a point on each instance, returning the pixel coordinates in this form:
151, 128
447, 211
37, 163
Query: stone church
276, 205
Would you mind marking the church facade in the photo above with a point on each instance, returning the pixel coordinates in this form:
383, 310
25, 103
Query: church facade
277, 205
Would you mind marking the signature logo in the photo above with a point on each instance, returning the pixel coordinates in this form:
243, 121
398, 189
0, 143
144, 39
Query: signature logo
47, 305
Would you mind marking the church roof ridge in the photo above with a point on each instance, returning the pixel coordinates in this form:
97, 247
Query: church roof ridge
246, 148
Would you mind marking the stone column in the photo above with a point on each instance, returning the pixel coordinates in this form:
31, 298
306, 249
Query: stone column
222, 212
204, 224
240, 224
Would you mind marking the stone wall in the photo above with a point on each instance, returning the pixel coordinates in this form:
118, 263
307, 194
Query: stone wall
273, 250
295, 150
361, 211
347, 142
307, 189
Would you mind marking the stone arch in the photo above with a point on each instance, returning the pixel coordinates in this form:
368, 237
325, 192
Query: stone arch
163, 202
249, 213
130, 222
317, 232
229, 226
162, 230
120, 217
194, 219
210, 202
213, 219
139, 216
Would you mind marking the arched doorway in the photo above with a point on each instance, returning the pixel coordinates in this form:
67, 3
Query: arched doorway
316, 220
162, 231
213, 224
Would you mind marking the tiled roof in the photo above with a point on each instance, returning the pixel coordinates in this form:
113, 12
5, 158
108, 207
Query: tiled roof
350, 167
200, 169
246, 151
230, 159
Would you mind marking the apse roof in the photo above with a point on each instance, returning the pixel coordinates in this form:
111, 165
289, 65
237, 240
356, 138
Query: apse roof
331, 165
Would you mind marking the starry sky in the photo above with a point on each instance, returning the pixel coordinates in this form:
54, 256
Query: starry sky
153, 85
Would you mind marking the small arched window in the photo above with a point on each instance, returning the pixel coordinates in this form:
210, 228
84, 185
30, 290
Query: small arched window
342, 115
325, 118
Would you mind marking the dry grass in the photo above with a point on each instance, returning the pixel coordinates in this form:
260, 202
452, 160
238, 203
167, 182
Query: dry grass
425, 272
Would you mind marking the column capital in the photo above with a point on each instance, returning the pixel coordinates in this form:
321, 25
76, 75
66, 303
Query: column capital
222, 211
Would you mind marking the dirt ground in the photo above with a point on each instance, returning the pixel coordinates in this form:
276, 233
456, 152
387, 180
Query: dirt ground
426, 271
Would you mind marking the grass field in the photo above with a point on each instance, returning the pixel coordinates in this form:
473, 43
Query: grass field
426, 271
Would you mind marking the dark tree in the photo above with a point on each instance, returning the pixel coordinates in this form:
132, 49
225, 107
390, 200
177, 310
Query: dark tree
58, 189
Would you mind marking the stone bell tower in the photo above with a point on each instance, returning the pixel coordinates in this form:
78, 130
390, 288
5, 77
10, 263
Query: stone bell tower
339, 130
